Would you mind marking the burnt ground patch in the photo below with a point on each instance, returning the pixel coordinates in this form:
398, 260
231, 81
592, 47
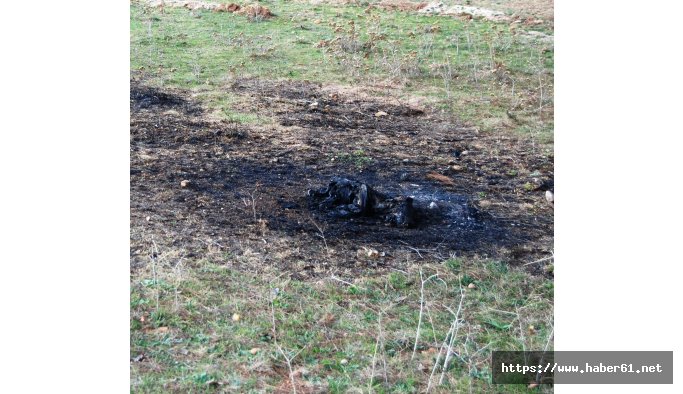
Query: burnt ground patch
145, 97
247, 186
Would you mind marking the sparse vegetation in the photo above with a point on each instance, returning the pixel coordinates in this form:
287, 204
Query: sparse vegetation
335, 329
492, 75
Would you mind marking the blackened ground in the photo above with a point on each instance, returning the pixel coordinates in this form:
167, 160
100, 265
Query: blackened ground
247, 189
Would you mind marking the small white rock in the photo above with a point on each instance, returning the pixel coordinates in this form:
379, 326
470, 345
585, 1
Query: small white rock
433, 205
549, 196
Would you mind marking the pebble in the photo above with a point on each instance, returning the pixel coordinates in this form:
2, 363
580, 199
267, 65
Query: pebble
184, 183
372, 253
550, 196
433, 205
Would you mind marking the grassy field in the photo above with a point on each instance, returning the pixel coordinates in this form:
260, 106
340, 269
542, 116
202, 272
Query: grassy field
208, 324
497, 76
215, 328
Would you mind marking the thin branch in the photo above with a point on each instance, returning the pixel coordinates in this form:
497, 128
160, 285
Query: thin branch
347, 283
456, 325
287, 358
321, 234
540, 260
419, 320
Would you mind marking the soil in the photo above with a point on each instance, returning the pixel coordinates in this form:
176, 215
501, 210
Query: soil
532, 12
230, 191
251, 11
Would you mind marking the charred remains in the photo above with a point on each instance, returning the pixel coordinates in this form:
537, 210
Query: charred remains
250, 195
345, 198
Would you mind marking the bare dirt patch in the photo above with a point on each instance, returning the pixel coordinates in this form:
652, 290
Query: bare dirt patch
525, 9
251, 10
439, 8
216, 187
189, 4
401, 5
531, 12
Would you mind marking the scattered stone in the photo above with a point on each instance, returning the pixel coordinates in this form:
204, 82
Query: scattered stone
148, 218
253, 11
381, 113
439, 8
254, 350
235, 317
433, 205
549, 196
232, 7
300, 372
343, 361
184, 183
484, 203
471, 286
372, 253
144, 157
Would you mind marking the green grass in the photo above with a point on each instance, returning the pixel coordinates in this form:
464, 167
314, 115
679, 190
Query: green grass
478, 70
191, 341
358, 158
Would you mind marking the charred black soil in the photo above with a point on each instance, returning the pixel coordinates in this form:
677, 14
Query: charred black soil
219, 189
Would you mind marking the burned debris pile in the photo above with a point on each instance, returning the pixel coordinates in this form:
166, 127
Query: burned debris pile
345, 199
